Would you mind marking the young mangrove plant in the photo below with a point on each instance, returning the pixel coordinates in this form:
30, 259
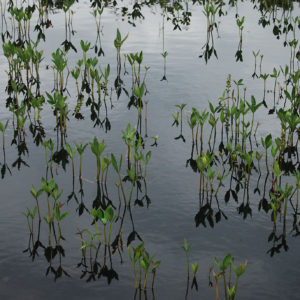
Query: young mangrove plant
30, 215
80, 149
255, 54
71, 153
36, 194
181, 107
59, 217
186, 247
195, 270
145, 262
266, 143
97, 148
2, 129
228, 262
118, 42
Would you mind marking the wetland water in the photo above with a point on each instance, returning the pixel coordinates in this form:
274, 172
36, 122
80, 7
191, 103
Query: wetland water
249, 215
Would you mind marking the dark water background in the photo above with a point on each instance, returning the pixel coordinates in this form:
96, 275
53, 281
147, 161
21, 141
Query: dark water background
172, 187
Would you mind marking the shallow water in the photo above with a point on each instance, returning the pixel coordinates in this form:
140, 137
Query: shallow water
172, 187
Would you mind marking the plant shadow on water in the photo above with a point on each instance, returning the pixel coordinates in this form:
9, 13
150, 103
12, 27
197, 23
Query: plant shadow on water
95, 185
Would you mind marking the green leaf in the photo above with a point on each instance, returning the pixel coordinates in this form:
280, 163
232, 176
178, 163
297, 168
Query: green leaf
114, 163
148, 156
226, 261
241, 269
109, 214
64, 215
69, 150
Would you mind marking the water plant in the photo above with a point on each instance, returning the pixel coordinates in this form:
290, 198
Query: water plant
228, 262
266, 143
139, 255
186, 247
255, 54
30, 215
2, 129
118, 42
59, 217
240, 24
195, 267
106, 217
80, 149
36, 194
97, 149
71, 153
181, 107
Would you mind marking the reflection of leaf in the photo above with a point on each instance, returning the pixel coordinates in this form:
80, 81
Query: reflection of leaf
19, 162
218, 216
234, 195
227, 196
61, 156
180, 137
132, 237
3, 171
194, 284
139, 202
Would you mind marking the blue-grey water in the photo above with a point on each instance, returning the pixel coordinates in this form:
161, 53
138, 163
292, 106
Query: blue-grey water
172, 187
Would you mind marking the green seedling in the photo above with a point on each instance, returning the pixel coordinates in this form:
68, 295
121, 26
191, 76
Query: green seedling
36, 194
30, 214
71, 153
186, 247
108, 217
118, 42
154, 268
266, 143
155, 139
139, 93
229, 291
48, 188
118, 168
80, 149
59, 217
134, 258
195, 270
181, 107
275, 75
253, 106
2, 129
146, 262
97, 148
255, 54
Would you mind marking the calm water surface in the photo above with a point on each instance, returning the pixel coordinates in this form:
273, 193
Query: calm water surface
172, 187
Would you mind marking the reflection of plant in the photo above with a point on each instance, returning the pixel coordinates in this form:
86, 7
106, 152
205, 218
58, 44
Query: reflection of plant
210, 11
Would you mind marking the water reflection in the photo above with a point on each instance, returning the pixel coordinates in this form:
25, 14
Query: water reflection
229, 173
233, 170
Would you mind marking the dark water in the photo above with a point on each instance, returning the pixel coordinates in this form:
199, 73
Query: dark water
172, 187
